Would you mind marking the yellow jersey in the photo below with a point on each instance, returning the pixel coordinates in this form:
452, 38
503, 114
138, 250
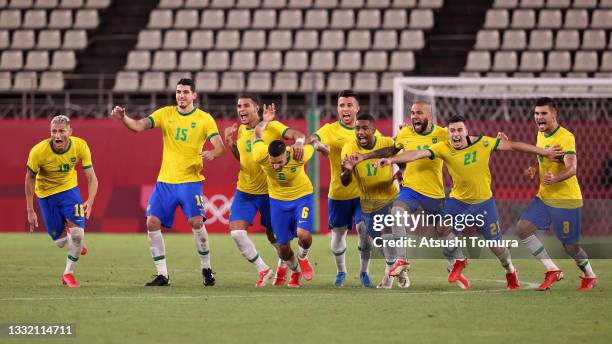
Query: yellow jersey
423, 176
469, 168
184, 136
291, 182
55, 171
565, 194
375, 184
251, 178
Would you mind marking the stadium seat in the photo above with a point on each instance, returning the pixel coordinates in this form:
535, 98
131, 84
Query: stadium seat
365, 82
98, 4
191, 60
23, 39
46, 4
174, 78
72, 4
201, 40
576, 19
385, 40
342, 19
212, 19
60, 19
207, 82
514, 40
227, 39
248, 3
149, 40
510, 4
375, 61
4, 39
270, 60
153, 82
505, 61
532, 61
51, 81
302, 4
25, 81
278, 4
21, 4
593, 40
34, 19
253, 40
558, 61
602, 19
432, 4
532, 4
329, 4
487, 40
217, 61
395, 19
170, 4
354, 4
10, 19
290, 19
238, 19
138, 60
281, 39
386, 81
75, 40
160, 19
412, 40
549, 19
243, 61
401, 61
5, 81
296, 61
259, 82
316, 19
175, 40
322, 61
587, 3
558, 3
349, 61
264, 19
221, 3
378, 3
496, 19
11, 60
332, 40
186, 19
421, 19
337, 81
606, 62
305, 40
164, 60
359, 40
540, 40
478, 61
523, 19
285, 82
586, 61
37, 60
567, 40
86, 19
126, 81
368, 19
232, 82
404, 3
196, 3
307, 81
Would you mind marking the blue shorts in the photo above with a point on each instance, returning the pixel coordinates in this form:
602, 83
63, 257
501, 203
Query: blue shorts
343, 214
373, 221
166, 197
565, 222
287, 216
484, 217
56, 209
245, 206
415, 200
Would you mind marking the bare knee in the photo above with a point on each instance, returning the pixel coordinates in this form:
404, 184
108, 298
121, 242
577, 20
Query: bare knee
571, 249
443, 231
284, 251
153, 224
525, 229
196, 222
304, 238
237, 225
76, 235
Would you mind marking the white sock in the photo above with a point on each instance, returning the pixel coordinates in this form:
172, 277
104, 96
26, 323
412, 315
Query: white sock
388, 265
338, 247
535, 246
75, 244
303, 252
582, 261
158, 252
293, 264
61, 242
200, 237
388, 252
506, 260
247, 249
281, 263
451, 253
398, 233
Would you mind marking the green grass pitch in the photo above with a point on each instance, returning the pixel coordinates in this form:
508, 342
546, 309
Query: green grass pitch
112, 305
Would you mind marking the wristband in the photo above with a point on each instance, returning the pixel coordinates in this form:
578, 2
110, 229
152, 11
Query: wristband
300, 140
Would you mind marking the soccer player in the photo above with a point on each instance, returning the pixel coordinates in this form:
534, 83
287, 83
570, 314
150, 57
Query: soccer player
252, 189
377, 191
422, 185
467, 158
343, 201
559, 200
51, 174
185, 128
291, 199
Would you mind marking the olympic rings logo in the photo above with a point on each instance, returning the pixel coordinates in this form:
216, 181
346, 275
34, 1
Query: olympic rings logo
217, 206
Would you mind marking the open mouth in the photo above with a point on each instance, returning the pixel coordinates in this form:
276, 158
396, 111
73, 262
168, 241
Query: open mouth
456, 140
541, 124
417, 125
346, 117
362, 140
244, 117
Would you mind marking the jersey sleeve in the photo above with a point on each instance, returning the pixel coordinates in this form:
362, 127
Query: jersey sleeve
278, 128
308, 153
210, 127
323, 135
398, 140
347, 150
157, 118
85, 155
33, 161
260, 150
437, 151
568, 144
491, 142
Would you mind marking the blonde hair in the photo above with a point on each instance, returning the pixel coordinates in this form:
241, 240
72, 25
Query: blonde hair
60, 119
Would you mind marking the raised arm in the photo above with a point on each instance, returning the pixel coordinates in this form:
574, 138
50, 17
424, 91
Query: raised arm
571, 165
516, 146
348, 164
92, 190
404, 157
378, 154
135, 125
30, 180
229, 140
322, 148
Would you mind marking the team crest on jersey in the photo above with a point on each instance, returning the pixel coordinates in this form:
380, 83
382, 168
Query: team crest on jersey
434, 140
73, 160
486, 143
193, 124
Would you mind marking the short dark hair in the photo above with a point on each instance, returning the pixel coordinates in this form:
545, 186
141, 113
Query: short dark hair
545, 101
456, 119
187, 82
252, 96
348, 93
367, 117
276, 148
